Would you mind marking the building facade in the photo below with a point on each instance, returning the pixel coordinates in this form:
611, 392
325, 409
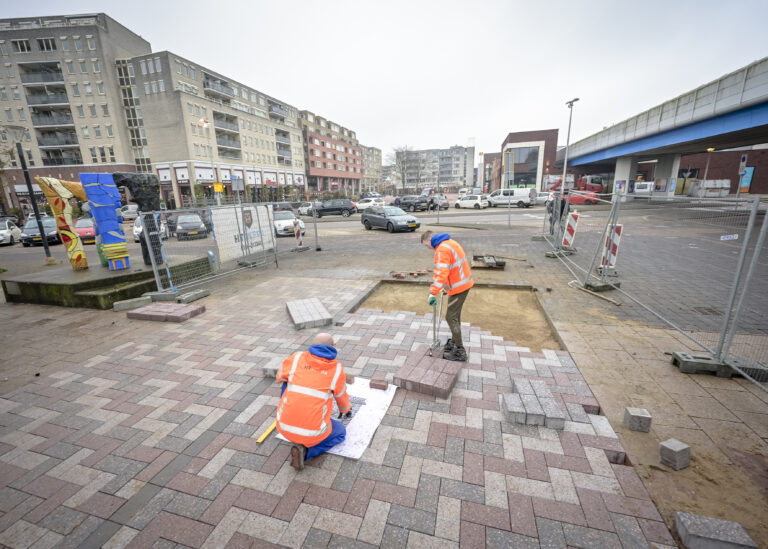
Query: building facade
371, 169
491, 172
527, 157
450, 169
332, 154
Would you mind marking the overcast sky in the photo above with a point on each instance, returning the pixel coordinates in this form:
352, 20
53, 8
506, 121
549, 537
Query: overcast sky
431, 74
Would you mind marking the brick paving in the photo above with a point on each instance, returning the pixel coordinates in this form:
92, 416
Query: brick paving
153, 443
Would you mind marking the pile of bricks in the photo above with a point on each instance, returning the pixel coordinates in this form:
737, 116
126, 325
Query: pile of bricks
308, 313
428, 375
532, 403
166, 312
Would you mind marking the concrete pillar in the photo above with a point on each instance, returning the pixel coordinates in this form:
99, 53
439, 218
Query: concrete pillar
626, 170
666, 168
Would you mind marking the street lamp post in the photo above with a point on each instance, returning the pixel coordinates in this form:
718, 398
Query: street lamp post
558, 206
710, 150
18, 133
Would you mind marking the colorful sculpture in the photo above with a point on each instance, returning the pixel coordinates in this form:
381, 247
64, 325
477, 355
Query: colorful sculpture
58, 194
104, 200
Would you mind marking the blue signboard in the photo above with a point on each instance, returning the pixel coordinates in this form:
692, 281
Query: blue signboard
746, 180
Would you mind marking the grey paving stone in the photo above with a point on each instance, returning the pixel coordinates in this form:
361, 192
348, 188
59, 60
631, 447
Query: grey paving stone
492, 431
475, 383
441, 407
346, 476
629, 532
424, 451
138, 511
10, 498
697, 532
554, 418
187, 505
675, 454
173, 444
343, 542
379, 472
483, 448
637, 419
397, 421
394, 537
317, 539
19, 511
101, 534
63, 520
61, 450
500, 538
514, 410
551, 534
412, 519
577, 413
201, 443
454, 450
541, 389
534, 413
77, 537
219, 482
580, 536
32, 474
462, 490
427, 493
395, 453
247, 460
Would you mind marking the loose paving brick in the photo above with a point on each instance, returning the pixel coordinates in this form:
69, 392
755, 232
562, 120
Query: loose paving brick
697, 532
675, 454
637, 419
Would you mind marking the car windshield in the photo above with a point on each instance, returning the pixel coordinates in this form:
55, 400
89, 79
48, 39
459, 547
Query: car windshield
394, 211
282, 216
48, 223
484, 197
84, 222
190, 219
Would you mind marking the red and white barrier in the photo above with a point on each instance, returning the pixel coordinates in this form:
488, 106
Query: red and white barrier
570, 229
297, 232
611, 248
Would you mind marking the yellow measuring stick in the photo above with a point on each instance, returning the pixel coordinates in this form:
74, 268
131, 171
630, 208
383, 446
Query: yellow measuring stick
265, 434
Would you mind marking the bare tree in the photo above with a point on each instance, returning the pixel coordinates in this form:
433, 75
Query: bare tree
399, 159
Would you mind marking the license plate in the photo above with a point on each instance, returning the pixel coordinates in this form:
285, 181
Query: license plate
412, 225
37, 238
192, 232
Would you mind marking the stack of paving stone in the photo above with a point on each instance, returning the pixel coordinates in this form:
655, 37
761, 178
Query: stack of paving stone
428, 375
532, 403
308, 313
166, 312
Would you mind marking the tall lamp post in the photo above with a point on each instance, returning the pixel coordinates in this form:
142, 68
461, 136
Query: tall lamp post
558, 206
18, 133
710, 150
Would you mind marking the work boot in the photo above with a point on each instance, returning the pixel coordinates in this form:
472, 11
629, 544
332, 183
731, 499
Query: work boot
449, 346
298, 453
457, 354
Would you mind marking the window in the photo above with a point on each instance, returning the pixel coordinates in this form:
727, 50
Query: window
21, 46
80, 111
9, 70
3, 48
178, 67
143, 66
194, 128
100, 87
186, 70
97, 131
96, 67
197, 110
109, 131
70, 67
91, 43
88, 89
111, 151
94, 158
154, 86
151, 66
92, 109
147, 89
65, 44
15, 91
103, 154
204, 111
83, 67
22, 115
161, 85
192, 73
158, 67
3, 94
78, 43
9, 114
75, 90
85, 132
189, 108
46, 44
197, 149
105, 109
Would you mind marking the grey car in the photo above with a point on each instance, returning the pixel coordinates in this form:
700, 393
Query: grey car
391, 218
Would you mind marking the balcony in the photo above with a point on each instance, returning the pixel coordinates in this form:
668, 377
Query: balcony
41, 77
283, 162
224, 141
221, 123
285, 153
49, 99
225, 153
56, 119
65, 160
58, 141
218, 87
279, 111
282, 139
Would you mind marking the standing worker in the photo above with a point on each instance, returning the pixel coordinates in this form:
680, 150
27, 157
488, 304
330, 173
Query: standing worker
309, 380
453, 276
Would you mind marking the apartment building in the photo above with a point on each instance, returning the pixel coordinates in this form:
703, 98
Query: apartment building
451, 168
58, 80
372, 169
333, 156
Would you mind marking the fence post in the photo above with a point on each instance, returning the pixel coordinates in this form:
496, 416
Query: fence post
739, 267
611, 234
722, 346
261, 233
144, 233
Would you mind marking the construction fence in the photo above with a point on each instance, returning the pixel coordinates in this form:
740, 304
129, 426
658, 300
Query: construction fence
697, 265
194, 245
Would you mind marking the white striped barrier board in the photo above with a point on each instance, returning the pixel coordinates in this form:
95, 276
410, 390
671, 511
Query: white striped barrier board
611, 248
297, 232
570, 229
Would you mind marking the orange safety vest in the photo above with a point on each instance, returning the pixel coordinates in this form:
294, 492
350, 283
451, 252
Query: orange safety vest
452, 273
304, 411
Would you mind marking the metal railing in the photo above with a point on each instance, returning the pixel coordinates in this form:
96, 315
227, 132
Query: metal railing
53, 141
32, 77
62, 161
224, 124
47, 99
52, 120
217, 86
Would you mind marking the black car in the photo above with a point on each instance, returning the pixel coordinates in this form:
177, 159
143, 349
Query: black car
391, 218
30, 234
190, 226
337, 206
414, 203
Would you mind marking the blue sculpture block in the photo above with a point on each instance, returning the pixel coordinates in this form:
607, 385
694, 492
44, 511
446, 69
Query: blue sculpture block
104, 201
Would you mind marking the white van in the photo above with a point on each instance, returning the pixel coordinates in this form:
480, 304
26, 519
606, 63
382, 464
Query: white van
463, 192
522, 198
643, 189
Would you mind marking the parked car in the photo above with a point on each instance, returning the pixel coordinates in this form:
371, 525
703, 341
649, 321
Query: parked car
584, 197
9, 232
281, 206
138, 228
476, 201
522, 198
85, 230
284, 224
190, 226
414, 203
391, 218
129, 211
305, 207
366, 203
12, 218
31, 215
337, 206
440, 202
542, 197
30, 234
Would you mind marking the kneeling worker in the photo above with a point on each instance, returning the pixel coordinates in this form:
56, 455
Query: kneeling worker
310, 379
454, 277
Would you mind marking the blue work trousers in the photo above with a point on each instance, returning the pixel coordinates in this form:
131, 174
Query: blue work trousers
338, 434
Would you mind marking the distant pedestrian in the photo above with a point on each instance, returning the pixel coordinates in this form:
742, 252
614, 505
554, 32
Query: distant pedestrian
431, 203
397, 201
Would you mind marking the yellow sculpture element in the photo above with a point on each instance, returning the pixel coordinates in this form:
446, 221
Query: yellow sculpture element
58, 194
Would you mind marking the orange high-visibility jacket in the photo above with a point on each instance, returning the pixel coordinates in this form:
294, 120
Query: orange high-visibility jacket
304, 412
452, 273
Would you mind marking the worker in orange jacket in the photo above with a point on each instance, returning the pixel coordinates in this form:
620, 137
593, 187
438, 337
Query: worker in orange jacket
454, 277
310, 379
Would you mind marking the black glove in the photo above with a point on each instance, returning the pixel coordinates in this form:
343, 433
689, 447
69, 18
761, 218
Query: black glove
347, 415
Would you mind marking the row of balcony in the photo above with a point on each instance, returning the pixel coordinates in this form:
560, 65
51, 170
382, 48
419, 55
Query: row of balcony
282, 139
215, 86
285, 153
280, 111
34, 77
225, 124
225, 141
47, 99
58, 140
53, 119
225, 153
63, 160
